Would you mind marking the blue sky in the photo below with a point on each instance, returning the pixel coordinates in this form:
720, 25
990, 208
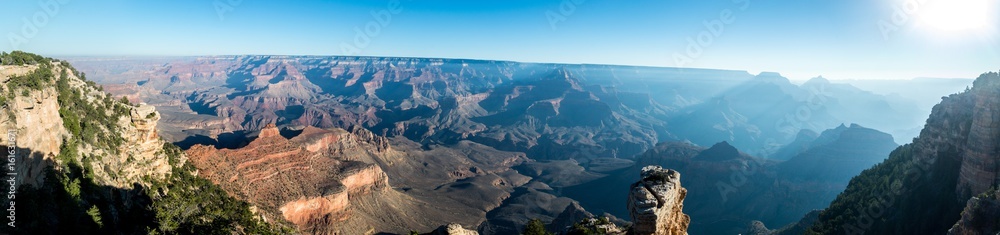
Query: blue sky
800, 39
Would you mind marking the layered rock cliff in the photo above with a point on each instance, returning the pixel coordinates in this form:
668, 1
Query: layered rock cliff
122, 151
656, 203
84, 162
308, 180
954, 158
979, 169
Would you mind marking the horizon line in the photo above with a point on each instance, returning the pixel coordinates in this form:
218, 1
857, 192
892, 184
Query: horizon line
125, 57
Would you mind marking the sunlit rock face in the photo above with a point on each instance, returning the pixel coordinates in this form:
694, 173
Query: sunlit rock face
36, 125
656, 202
454, 229
308, 180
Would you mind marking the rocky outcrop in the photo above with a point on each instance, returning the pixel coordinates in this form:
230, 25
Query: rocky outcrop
655, 203
37, 124
142, 157
979, 216
453, 229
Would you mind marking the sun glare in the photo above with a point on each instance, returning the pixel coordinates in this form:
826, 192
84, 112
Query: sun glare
955, 15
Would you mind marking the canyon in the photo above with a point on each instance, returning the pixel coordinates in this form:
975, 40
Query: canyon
506, 142
332, 145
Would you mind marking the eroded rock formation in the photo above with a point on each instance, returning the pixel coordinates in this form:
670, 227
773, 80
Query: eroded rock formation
454, 229
142, 157
655, 203
309, 180
35, 123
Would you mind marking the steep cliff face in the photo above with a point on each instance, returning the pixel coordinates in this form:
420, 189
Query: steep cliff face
979, 160
86, 163
954, 158
655, 203
31, 120
131, 152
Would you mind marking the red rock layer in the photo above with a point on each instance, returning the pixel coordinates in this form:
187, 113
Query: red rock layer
307, 180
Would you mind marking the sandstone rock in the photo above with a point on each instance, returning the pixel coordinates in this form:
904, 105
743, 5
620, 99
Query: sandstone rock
38, 128
454, 229
656, 202
35, 127
309, 180
141, 157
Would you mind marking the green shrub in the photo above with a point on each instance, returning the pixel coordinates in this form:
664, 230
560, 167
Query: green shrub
195, 205
535, 227
22, 58
36, 80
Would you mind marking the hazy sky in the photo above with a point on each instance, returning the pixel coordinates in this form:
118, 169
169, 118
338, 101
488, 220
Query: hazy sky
839, 39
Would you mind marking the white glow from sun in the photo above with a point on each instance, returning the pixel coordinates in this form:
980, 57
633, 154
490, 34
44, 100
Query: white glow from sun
952, 15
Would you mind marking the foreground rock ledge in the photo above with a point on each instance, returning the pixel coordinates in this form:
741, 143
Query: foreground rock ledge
655, 203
